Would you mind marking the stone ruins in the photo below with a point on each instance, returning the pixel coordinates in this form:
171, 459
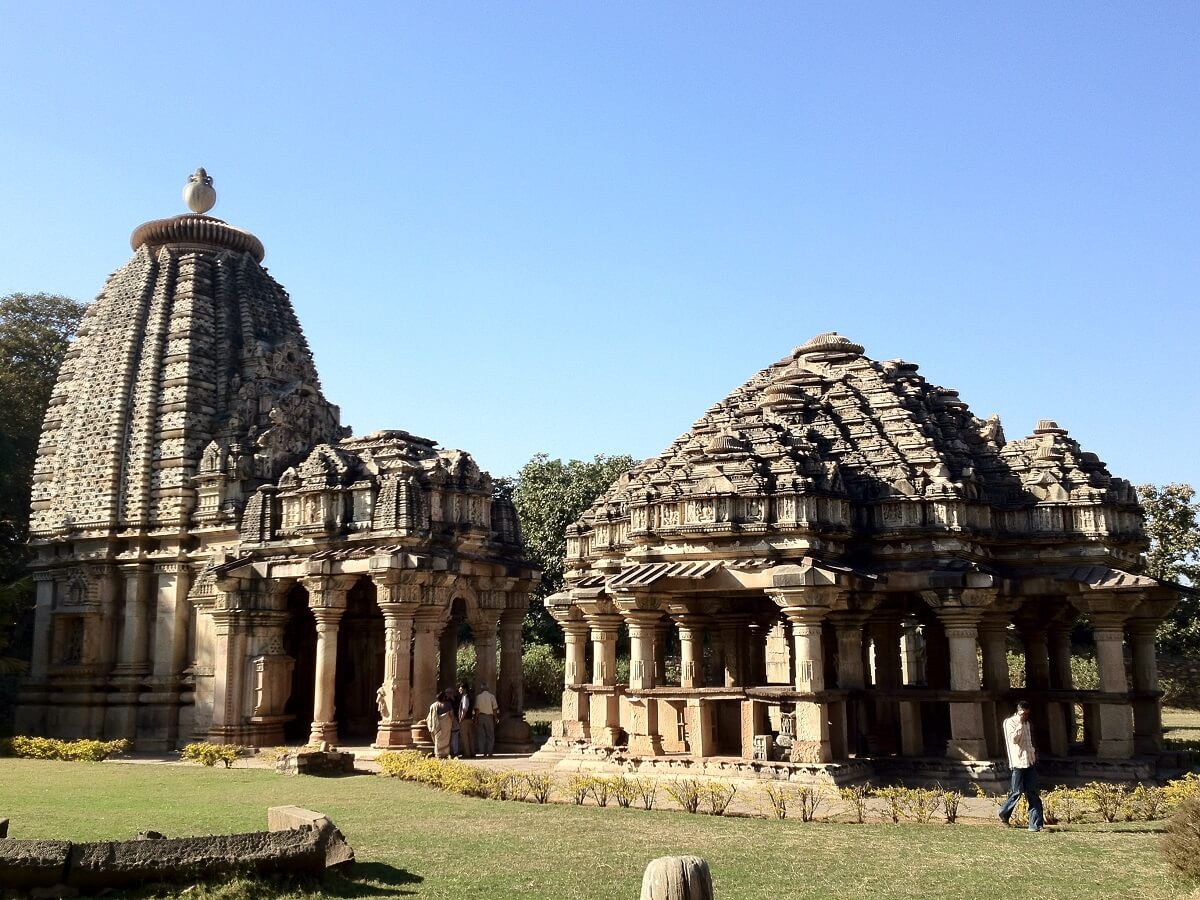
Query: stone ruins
838, 552
217, 558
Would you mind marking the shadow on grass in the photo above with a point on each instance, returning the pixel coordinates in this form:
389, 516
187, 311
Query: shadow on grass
370, 880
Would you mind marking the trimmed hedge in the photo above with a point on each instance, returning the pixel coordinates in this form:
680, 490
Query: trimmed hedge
69, 751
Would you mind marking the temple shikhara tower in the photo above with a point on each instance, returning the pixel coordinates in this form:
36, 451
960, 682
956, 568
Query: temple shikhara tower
839, 553
216, 557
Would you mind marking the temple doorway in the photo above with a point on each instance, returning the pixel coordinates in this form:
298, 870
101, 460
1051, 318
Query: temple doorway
300, 643
360, 665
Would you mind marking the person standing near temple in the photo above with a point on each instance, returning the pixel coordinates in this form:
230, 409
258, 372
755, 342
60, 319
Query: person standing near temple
486, 710
466, 721
440, 722
1022, 759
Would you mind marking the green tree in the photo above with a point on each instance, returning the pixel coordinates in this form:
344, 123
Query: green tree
1173, 526
35, 331
549, 495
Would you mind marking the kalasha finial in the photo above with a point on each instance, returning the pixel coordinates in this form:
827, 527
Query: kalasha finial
198, 193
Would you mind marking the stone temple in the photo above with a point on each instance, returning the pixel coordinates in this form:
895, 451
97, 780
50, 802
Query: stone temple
838, 553
217, 559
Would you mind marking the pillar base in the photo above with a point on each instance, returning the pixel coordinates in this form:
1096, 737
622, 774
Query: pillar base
645, 745
393, 735
421, 738
323, 732
912, 737
513, 735
970, 749
1117, 748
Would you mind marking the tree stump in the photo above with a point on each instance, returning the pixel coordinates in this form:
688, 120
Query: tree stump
677, 878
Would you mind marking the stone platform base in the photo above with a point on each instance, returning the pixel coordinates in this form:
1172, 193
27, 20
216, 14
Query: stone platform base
603, 760
316, 762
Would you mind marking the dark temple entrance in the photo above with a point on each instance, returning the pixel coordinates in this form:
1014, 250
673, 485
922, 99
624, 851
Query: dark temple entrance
300, 643
359, 665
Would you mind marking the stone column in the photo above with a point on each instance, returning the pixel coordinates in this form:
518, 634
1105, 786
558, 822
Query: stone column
1147, 710
575, 668
660, 651
228, 674
575, 677
912, 670
512, 732
966, 715
324, 726
715, 674
483, 633
398, 603
993, 646
884, 627
1115, 738
1049, 727
813, 742
644, 736
851, 676
428, 622
327, 600
132, 660
42, 616
691, 651
604, 714
1061, 678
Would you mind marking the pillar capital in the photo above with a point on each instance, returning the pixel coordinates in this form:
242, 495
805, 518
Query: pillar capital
328, 591
823, 597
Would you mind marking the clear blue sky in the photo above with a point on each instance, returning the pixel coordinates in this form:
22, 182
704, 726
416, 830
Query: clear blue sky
572, 227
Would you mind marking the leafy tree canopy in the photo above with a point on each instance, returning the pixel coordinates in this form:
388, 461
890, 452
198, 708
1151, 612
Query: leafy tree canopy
35, 331
1173, 526
549, 495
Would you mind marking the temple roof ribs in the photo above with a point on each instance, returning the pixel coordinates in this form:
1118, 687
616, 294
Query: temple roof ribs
828, 454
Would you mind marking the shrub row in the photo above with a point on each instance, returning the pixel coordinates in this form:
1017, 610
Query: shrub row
53, 748
1102, 801
210, 754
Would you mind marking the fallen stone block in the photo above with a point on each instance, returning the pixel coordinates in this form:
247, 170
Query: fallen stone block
115, 864
337, 851
30, 864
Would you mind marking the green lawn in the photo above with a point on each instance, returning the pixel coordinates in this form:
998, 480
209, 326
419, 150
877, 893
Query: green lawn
415, 841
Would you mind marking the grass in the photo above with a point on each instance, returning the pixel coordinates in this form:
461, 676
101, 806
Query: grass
415, 841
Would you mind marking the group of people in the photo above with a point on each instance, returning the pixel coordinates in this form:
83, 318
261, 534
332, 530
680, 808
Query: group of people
463, 725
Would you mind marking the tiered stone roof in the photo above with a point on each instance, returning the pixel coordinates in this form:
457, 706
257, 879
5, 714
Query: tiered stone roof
830, 444
190, 347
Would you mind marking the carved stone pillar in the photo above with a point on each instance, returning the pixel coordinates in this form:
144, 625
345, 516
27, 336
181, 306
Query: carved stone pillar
911, 653
428, 622
575, 677
1115, 738
660, 652
715, 671
1061, 678
228, 674
1049, 726
575, 669
324, 726
483, 633
512, 732
43, 611
132, 660
812, 717
398, 603
644, 736
734, 645
604, 715
691, 650
993, 646
966, 716
327, 600
1147, 710
851, 676
884, 627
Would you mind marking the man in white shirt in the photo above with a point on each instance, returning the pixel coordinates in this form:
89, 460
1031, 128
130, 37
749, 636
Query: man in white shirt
1022, 759
486, 709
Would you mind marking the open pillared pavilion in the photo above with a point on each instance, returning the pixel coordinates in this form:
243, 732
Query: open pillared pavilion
840, 553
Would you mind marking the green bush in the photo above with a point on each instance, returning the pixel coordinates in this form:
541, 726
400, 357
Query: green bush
855, 796
445, 774
719, 795
543, 675
210, 754
1084, 674
540, 728
1181, 843
67, 751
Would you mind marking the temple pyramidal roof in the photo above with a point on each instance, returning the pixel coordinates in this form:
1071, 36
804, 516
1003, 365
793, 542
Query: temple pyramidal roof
873, 438
827, 418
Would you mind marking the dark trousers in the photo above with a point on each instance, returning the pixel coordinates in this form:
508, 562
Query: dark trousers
1024, 781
